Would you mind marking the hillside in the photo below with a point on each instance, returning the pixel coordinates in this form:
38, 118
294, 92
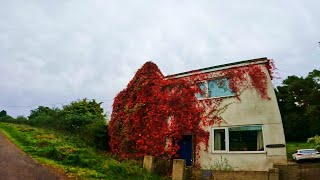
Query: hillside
70, 155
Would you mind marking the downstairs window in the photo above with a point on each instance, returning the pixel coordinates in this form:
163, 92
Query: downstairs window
238, 138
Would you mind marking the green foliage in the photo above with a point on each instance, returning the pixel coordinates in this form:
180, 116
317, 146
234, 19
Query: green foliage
69, 153
85, 107
97, 134
82, 118
18, 120
6, 118
298, 100
42, 111
51, 152
3, 113
315, 142
221, 164
21, 120
293, 146
163, 166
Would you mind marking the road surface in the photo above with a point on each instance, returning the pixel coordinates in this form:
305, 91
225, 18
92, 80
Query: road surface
16, 165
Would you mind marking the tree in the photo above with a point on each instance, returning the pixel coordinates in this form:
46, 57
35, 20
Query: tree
3, 113
79, 113
85, 107
4, 117
299, 103
41, 111
44, 116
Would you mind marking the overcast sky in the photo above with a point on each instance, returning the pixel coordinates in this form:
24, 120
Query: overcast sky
54, 52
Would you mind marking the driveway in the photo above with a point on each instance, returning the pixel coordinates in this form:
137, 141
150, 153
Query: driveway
309, 169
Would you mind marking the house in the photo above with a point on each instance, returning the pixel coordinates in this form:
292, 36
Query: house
247, 133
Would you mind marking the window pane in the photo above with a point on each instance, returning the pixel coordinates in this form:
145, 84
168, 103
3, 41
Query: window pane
219, 88
203, 88
308, 151
219, 139
246, 128
246, 138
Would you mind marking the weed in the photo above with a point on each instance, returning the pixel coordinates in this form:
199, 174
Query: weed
221, 164
45, 136
43, 143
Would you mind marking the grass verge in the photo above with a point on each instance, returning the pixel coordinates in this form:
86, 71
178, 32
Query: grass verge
71, 155
293, 146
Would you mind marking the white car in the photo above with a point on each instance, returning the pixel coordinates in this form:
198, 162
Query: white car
305, 154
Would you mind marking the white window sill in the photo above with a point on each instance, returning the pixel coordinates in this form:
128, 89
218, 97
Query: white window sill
199, 99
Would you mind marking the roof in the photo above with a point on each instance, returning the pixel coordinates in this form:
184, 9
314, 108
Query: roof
219, 67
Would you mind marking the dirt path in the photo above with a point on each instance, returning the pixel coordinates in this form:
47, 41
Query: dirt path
15, 165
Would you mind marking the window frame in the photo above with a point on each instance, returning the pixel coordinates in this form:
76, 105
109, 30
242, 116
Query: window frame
226, 135
206, 85
205, 95
227, 142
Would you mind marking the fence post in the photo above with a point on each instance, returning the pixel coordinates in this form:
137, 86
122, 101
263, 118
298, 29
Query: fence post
178, 169
148, 163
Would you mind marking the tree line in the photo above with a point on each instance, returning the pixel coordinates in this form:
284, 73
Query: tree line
299, 103
82, 118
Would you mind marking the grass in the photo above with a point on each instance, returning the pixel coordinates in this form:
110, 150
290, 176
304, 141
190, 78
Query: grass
71, 155
293, 146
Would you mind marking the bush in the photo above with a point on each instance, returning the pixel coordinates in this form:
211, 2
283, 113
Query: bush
51, 152
6, 118
96, 133
21, 120
163, 166
315, 142
84, 119
18, 120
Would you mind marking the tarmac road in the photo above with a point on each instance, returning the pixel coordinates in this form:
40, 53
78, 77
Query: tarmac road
16, 165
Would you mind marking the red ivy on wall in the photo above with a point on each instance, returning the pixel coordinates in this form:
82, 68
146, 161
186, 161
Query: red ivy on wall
152, 113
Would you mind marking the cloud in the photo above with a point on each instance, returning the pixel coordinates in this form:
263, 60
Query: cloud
52, 52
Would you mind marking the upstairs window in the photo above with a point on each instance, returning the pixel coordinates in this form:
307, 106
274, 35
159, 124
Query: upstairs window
215, 88
203, 88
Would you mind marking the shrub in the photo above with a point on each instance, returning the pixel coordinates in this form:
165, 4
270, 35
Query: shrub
96, 134
6, 118
163, 166
43, 143
21, 120
221, 164
52, 152
315, 142
72, 159
83, 118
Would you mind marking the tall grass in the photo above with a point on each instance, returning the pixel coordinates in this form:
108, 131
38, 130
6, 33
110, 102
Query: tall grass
72, 154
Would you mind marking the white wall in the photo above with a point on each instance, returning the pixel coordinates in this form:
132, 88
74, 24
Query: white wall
251, 109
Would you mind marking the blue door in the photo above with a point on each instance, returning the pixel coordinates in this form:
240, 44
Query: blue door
185, 151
